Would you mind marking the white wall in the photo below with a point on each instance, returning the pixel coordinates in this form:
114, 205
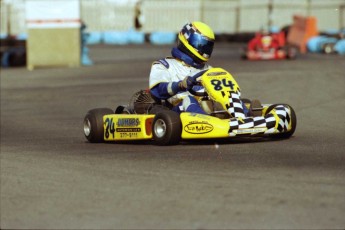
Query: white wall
224, 16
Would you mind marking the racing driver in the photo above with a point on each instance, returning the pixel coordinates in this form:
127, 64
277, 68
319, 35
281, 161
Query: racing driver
170, 78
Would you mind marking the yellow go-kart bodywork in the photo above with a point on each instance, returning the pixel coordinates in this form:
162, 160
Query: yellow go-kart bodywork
139, 127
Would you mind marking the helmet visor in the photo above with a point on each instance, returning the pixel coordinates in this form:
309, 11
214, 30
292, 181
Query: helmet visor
202, 44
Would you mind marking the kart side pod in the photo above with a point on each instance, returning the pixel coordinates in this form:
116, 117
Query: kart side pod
127, 127
169, 127
103, 125
196, 126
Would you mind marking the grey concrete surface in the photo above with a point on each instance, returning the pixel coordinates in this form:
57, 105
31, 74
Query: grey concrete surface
51, 178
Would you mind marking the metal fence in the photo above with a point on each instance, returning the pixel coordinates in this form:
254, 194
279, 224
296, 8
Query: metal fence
224, 16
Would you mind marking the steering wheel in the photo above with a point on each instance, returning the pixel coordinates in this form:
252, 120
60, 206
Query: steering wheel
195, 82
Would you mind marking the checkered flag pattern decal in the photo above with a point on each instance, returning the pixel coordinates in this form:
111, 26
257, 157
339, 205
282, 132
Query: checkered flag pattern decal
187, 30
276, 121
234, 107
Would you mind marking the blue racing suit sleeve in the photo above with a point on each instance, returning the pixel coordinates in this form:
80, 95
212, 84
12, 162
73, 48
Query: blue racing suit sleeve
165, 90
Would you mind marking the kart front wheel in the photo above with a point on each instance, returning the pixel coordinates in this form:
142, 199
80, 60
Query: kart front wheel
93, 124
167, 128
288, 134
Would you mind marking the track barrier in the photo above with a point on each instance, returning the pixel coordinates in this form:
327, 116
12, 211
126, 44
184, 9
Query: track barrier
302, 29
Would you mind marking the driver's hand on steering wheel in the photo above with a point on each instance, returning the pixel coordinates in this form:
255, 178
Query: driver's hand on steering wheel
186, 84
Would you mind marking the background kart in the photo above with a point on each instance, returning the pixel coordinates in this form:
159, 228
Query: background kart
328, 43
146, 119
272, 46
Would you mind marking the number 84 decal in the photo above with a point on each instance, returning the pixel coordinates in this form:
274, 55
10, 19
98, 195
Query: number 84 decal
219, 84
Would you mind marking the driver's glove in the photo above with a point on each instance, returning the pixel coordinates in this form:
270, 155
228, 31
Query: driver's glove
186, 83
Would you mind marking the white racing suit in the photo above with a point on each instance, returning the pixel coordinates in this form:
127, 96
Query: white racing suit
164, 78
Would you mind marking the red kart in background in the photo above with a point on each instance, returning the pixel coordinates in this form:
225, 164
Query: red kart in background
269, 46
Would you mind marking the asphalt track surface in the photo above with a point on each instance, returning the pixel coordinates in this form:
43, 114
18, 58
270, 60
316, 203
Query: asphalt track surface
52, 178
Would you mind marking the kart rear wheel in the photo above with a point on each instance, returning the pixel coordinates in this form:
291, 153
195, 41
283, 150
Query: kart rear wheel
291, 52
158, 109
293, 118
93, 124
167, 128
122, 109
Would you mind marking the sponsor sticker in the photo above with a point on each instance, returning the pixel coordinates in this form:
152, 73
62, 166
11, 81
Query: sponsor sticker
248, 131
216, 73
128, 122
128, 135
198, 128
123, 125
128, 129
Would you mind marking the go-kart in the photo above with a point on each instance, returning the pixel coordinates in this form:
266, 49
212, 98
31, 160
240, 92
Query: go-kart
146, 119
328, 43
272, 46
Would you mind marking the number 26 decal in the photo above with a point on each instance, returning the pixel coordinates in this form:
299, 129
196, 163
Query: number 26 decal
218, 84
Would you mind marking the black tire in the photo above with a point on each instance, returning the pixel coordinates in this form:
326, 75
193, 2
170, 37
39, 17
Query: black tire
328, 48
167, 128
291, 52
158, 109
293, 122
122, 109
93, 124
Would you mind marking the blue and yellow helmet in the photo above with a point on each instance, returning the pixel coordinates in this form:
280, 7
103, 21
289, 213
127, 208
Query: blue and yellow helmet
196, 39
